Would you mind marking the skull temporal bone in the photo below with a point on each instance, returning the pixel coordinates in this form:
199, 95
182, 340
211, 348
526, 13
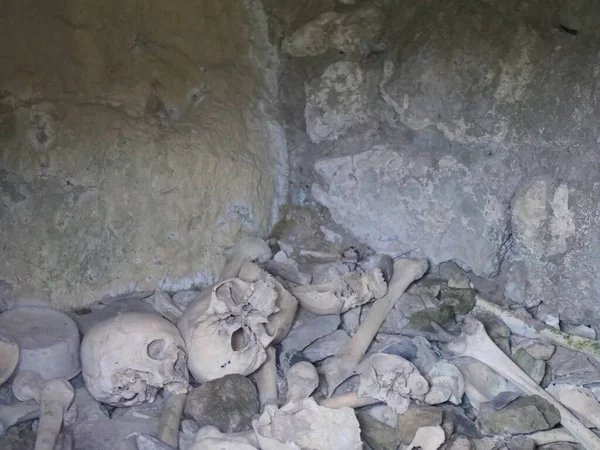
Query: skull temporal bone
128, 358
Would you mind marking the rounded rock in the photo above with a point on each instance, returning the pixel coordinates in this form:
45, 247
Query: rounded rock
48, 340
228, 403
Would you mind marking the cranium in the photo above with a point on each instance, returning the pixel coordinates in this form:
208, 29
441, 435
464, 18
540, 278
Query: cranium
225, 331
128, 358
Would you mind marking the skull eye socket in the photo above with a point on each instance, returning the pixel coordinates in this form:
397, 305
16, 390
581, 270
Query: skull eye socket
156, 349
239, 340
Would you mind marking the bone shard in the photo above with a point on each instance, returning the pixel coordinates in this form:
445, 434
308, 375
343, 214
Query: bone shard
428, 438
127, 359
250, 249
340, 367
54, 397
342, 293
225, 331
302, 380
475, 343
305, 425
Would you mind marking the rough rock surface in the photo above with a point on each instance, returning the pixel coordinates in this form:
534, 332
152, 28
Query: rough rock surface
524, 415
415, 418
228, 403
136, 150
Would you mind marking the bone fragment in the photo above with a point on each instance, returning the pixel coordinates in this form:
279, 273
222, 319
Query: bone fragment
581, 401
387, 378
536, 329
475, 343
168, 427
340, 367
53, 396
247, 249
9, 357
287, 272
549, 436
302, 380
428, 438
266, 380
163, 304
11, 415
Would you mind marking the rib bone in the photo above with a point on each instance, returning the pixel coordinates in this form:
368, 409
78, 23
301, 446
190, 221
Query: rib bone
475, 343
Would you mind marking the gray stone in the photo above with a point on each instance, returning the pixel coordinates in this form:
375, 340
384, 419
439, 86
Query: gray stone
228, 403
561, 446
535, 347
187, 434
420, 205
553, 223
524, 415
458, 442
182, 299
535, 368
376, 434
504, 399
303, 335
570, 367
349, 32
86, 321
326, 346
415, 418
336, 101
351, 320
520, 443
580, 330
461, 423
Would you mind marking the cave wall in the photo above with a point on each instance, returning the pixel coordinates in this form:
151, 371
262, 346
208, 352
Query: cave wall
137, 141
458, 131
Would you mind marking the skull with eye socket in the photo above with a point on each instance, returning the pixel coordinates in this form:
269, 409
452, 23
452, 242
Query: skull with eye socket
227, 330
128, 358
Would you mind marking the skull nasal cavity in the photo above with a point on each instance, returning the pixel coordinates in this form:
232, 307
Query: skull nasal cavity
238, 340
156, 349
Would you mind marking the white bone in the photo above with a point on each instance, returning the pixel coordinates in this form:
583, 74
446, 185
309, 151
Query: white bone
581, 401
343, 293
302, 380
170, 418
304, 424
428, 438
225, 331
475, 343
128, 358
53, 396
266, 380
536, 329
251, 249
384, 378
340, 367
9, 358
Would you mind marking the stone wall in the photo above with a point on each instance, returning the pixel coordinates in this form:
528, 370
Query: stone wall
461, 131
137, 141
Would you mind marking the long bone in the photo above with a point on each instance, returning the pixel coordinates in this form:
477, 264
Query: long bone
170, 418
536, 329
54, 397
475, 343
340, 367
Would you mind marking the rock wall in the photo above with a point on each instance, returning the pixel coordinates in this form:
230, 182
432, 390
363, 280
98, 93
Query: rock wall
461, 131
137, 141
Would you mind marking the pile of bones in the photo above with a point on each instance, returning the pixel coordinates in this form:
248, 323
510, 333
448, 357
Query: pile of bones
346, 352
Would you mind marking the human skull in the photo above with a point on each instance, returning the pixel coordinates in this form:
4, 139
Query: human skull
126, 359
225, 331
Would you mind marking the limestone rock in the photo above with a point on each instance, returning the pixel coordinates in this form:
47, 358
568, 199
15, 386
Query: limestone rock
336, 101
326, 346
524, 415
228, 403
420, 205
349, 32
